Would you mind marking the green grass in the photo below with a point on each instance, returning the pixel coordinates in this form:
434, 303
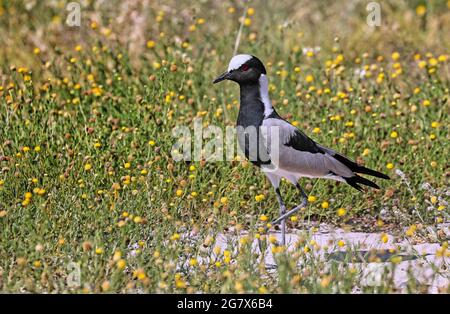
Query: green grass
116, 91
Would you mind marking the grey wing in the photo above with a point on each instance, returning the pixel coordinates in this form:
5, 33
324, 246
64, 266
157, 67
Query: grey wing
294, 152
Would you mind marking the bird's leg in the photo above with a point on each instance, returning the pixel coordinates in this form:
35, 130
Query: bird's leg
284, 216
282, 212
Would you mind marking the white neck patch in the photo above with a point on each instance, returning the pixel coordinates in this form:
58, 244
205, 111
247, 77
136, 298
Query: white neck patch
237, 61
264, 94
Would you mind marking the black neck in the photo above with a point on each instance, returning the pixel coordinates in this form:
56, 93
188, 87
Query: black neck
251, 111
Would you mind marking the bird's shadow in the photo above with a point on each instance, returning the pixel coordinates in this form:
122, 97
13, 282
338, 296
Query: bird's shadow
363, 256
368, 256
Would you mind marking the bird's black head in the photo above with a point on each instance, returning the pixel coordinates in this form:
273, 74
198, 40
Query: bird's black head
243, 69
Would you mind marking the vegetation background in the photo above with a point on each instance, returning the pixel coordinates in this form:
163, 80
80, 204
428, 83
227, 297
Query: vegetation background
86, 172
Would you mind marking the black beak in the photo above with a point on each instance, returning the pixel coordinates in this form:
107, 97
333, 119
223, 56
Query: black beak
221, 77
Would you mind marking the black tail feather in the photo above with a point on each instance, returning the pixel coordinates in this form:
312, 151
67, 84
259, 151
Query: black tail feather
353, 166
354, 181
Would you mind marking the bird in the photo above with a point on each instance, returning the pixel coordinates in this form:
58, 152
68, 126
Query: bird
288, 153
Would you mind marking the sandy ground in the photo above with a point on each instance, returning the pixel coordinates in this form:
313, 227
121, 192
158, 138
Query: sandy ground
420, 259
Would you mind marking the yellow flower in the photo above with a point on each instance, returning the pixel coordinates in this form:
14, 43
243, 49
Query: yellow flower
396, 259
193, 262
309, 78
259, 197
325, 205
294, 218
278, 249
325, 282
272, 239
422, 64
87, 167
99, 251
250, 11
433, 199
390, 165
395, 56
262, 290
243, 240
341, 243
432, 61
394, 134
247, 21
263, 218
179, 192
117, 255
341, 212
411, 230
151, 44
137, 219
442, 58
36, 51
121, 264
316, 130
140, 274
175, 237
180, 284
224, 200
421, 10
426, 102
384, 238
312, 198
435, 124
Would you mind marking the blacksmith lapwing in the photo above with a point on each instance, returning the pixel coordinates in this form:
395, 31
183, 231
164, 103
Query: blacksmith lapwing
297, 154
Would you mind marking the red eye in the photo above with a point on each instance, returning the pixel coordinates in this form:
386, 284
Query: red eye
245, 67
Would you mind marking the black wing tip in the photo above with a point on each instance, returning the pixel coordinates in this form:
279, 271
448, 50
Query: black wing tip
356, 180
375, 173
353, 166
